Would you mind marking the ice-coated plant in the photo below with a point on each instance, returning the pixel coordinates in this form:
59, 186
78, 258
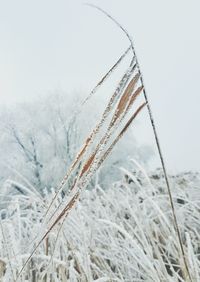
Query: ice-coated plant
135, 230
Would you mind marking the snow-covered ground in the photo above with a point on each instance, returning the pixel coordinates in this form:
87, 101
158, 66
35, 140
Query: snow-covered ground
123, 233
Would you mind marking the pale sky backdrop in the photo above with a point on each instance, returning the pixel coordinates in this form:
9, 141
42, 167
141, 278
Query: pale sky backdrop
47, 45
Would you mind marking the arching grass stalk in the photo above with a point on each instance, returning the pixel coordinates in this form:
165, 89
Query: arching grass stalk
175, 221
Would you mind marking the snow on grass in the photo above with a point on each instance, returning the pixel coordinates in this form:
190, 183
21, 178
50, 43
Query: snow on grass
123, 233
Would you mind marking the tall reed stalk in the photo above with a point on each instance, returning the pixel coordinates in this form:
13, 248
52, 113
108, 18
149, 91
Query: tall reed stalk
175, 221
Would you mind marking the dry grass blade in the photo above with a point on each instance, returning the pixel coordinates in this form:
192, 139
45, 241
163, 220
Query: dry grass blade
125, 99
133, 98
123, 106
89, 140
94, 90
87, 165
80, 154
92, 164
120, 135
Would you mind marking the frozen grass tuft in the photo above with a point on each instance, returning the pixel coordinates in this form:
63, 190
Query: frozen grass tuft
122, 234
132, 231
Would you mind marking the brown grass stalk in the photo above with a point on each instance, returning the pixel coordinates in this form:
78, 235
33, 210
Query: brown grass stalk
175, 221
93, 134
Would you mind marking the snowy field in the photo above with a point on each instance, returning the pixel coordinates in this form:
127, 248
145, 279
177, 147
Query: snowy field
123, 233
80, 200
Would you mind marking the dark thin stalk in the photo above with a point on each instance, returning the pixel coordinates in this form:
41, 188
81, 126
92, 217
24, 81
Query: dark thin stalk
176, 226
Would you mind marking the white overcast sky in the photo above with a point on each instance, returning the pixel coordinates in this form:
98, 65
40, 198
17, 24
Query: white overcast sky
55, 44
